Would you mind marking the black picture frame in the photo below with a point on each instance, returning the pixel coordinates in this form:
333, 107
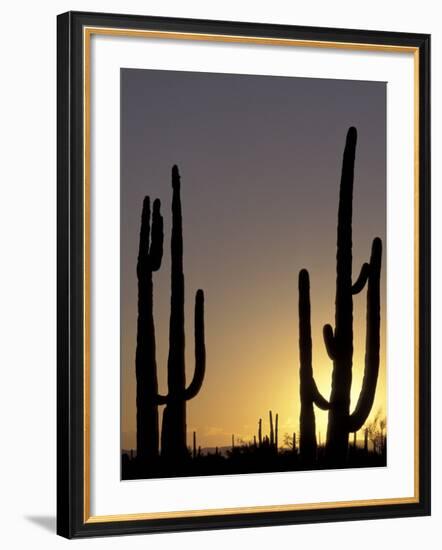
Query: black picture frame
72, 520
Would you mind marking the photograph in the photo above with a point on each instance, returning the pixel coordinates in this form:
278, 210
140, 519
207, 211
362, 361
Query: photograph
253, 306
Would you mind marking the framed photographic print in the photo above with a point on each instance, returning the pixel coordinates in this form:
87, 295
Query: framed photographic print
243, 274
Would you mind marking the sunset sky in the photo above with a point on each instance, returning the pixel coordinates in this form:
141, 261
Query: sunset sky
260, 160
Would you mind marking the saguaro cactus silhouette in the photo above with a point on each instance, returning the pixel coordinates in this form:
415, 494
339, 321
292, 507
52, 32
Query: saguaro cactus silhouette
308, 389
339, 342
272, 435
173, 434
276, 431
149, 260
194, 445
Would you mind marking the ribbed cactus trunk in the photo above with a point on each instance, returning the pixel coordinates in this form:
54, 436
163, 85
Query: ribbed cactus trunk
173, 435
339, 342
272, 435
309, 392
149, 260
260, 432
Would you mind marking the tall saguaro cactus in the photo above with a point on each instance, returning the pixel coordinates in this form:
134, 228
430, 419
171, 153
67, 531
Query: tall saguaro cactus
308, 389
149, 260
272, 434
339, 342
173, 435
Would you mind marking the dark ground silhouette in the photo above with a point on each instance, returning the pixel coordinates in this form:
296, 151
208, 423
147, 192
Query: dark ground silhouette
249, 458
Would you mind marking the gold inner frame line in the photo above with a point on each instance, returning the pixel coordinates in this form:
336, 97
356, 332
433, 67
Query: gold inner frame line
87, 34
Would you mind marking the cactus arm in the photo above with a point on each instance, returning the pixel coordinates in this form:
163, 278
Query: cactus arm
361, 280
318, 399
371, 369
329, 341
366, 397
305, 343
309, 392
200, 349
156, 245
143, 251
